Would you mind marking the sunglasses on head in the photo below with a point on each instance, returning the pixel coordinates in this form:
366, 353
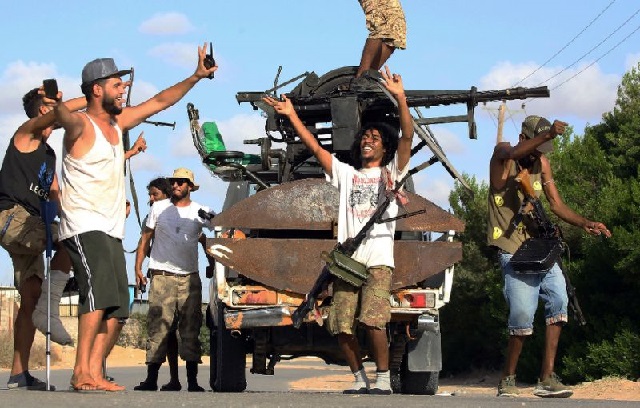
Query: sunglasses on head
179, 181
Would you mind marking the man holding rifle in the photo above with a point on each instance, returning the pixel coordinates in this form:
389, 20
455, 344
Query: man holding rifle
522, 290
380, 160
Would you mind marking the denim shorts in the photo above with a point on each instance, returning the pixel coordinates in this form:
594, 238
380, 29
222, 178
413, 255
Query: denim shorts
522, 292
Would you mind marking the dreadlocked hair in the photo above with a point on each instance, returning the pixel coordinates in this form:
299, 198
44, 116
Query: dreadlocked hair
389, 135
31, 102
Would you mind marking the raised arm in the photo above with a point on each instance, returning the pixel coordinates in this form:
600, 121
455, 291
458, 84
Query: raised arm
72, 123
393, 83
504, 153
285, 108
39, 123
133, 116
525, 147
140, 145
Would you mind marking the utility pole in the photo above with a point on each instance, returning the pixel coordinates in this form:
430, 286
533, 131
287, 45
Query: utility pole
501, 109
504, 113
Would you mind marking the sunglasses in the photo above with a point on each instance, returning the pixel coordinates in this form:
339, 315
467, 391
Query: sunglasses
179, 181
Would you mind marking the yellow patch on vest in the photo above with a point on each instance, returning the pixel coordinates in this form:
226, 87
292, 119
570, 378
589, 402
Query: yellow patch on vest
497, 232
498, 200
537, 186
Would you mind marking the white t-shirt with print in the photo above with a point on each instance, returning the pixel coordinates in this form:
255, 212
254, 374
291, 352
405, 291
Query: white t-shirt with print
360, 193
176, 233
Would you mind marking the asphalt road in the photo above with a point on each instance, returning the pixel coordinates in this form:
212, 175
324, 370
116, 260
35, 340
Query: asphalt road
262, 391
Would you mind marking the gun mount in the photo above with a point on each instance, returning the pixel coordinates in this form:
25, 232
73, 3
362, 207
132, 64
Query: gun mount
334, 113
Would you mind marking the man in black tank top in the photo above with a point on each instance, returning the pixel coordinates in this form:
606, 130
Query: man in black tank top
27, 178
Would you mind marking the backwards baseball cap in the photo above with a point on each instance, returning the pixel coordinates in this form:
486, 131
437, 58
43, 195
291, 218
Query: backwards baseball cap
101, 68
533, 126
187, 174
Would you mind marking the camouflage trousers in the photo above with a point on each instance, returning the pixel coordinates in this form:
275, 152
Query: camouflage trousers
368, 305
175, 304
385, 20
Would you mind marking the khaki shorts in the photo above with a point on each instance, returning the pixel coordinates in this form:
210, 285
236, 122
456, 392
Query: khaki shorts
23, 236
385, 20
175, 302
368, 305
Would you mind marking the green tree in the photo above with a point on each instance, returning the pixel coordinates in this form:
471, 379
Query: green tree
619, 132
598, 174
474, 320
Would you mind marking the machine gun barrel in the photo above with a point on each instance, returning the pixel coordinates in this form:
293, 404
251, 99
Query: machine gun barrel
425, 97
434, 98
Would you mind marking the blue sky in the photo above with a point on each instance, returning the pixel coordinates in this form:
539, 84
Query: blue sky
453, 44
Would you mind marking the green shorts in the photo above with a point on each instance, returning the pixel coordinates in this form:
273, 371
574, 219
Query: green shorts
23, 236
100, 269
368, 305
385, 20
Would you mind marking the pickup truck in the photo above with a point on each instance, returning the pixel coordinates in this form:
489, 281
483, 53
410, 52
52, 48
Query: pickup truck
279, 216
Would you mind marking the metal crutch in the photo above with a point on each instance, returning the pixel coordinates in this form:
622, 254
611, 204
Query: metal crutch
48, 212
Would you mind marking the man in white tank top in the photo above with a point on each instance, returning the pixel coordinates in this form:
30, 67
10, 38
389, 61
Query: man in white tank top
93, 205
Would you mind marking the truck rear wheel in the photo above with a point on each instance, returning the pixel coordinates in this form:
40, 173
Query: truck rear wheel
404, 381
419, 383
228, 358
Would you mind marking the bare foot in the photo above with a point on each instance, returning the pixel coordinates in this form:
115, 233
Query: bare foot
105, 385
83, 384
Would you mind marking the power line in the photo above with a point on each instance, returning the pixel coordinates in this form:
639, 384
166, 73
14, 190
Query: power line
602, 56
595, 47
566, 45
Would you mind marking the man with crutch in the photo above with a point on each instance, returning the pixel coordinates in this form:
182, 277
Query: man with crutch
28, 177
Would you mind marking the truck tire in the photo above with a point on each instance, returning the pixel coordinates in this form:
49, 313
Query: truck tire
419, 383
228, 358
396, 382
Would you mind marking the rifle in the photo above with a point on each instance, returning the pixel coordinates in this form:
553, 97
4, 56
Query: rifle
156, 123
547, 230
348, 247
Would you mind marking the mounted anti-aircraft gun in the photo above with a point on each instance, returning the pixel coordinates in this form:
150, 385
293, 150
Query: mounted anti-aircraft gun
288, 213
329, 99
538, 254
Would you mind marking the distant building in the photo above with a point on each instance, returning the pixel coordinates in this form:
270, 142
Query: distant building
9, 304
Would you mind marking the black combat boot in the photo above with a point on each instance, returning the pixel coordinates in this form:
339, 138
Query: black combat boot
192, 377
151, 382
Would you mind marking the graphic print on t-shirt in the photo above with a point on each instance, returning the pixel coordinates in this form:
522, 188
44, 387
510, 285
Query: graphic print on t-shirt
43, 185
363, 199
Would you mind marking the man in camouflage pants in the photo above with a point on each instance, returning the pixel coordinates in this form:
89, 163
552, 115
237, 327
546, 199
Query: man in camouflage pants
387, 31
175, 297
